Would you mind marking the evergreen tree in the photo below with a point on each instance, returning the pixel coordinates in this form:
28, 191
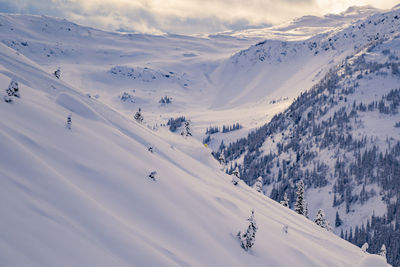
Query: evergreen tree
247, 239
138, 116
235, 176
299, 205
69, 122
306, 210
382, 252
285, 201
258, 184
12, 90
364, 247
186, 130
57, 73
338, 221
152, 175
221, 158
321, 221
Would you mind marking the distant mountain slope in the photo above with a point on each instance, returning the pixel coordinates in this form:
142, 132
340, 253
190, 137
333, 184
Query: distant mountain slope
273, 68
341, 137
83, 196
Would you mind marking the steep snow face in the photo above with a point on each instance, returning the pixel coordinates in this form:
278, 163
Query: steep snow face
83, 196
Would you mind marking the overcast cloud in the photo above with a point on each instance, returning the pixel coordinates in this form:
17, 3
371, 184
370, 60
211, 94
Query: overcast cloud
182, 16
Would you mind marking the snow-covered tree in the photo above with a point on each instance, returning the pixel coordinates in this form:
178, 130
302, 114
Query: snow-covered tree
382, 252
338, 221
306, 210
285, 201
138, 115
152, 175
221, 158
12, 90
365, 247
321, 221
285, 229
258, 184
186, 130
247, 239
235, 176
299, 206
57, 73
69, 122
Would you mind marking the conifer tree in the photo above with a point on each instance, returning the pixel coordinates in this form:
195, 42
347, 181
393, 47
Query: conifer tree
365, 247
382, 252
258, 184
306, 210
221, 158
321, 221
235, 176
299, 205
247, 239
69, 122
138, 116
12, 90
57, 73
338, 221
285, 201
186, 130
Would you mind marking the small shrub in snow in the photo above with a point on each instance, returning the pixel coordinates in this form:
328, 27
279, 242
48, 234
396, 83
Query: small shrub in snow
138, 116
152, 175
57, 73
126, 97
285, 201
285, 229
165, 100
247, 239
69, 122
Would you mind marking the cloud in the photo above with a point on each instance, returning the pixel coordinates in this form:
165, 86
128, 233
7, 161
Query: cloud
182, 16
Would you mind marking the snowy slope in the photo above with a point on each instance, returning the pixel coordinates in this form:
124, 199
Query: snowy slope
275, 69
82, 197
341, 137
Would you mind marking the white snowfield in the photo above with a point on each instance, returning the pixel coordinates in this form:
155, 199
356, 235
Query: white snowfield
82, 197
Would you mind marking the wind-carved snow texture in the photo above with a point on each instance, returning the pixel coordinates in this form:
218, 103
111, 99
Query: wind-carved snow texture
77, 171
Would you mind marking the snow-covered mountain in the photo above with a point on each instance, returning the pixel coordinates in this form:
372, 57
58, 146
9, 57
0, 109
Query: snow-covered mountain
83, 183
341, 137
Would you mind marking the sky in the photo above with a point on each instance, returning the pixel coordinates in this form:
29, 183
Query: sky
183, 16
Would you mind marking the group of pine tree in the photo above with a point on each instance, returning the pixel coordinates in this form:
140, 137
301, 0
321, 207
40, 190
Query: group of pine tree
324, 119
